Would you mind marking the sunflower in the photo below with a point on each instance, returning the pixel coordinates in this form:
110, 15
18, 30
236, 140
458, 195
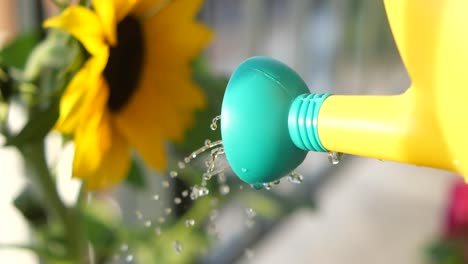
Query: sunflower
136, 89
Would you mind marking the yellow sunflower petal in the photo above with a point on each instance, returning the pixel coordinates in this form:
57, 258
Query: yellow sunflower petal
176, 11
111, 12
177, 44
179, 37
164, 103
93, 135
113, 167
105, 10
145, 137
123, 8
146, 7
79, 95
84, 25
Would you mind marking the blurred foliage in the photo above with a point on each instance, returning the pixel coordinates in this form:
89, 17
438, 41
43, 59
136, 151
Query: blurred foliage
16, 53
101, 226
446, 252
37, 128
451, 247
32, 208
136, 176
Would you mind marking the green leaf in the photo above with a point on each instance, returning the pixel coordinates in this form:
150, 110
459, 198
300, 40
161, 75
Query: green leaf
446, 252
6, 84
31, 207
16, 53
37, 127
101, 229
136, 176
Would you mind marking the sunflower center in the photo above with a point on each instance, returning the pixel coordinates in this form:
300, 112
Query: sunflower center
124, 64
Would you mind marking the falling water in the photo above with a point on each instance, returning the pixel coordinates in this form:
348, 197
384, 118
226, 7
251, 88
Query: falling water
199, 151
214, 122
295, 177
177, 246
189, 222
335, 157
213, 167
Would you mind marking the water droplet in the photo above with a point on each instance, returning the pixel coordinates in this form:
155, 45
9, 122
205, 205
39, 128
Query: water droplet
181, 165
189, 222
197, 152
207, 142
177, 200
165, 184
139, 215
250, 213
335, 157
207, 176
214, 124
157, 230
129, 258
244, 170
198, 191
224, 189
257, 186
156, 197
211, 230
268, 186
295, 178
177, 246
249, 254
204, 191
168, 211
173, 174
249, 223
211, 163
161, 220
148, 223
185, 193
213, 215
221, 178
124, 247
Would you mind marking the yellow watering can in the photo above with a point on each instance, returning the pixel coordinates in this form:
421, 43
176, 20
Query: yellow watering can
263, 104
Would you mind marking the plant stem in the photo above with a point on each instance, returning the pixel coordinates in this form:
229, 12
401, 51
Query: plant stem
36, 166
60, 4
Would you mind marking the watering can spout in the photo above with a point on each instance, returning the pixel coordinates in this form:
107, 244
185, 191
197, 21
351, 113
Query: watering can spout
395, 128
270, 121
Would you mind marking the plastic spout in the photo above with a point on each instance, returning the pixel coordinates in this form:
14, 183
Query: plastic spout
390, 128
269, 121
424, 126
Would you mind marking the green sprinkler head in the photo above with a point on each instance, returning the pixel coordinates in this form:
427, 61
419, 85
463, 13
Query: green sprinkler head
268, 120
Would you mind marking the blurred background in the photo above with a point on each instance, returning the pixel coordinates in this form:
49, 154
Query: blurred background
359, 211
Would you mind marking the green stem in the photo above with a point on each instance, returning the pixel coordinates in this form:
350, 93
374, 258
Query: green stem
84, 2
36, 166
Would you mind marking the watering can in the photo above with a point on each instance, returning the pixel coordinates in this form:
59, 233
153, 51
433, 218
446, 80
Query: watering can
269, 120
